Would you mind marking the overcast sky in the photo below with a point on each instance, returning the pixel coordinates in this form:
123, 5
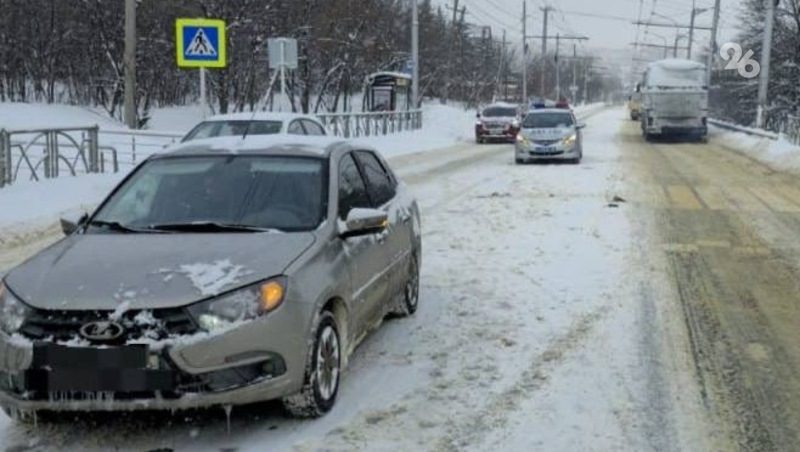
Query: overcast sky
607, 23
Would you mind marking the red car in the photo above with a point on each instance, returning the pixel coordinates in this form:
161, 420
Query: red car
499, 122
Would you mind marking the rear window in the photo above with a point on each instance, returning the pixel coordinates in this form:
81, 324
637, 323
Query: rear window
210, 129
547, 120
499, 112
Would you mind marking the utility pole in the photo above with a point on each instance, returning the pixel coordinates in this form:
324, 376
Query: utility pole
524, 54
501, 70
450, 54
558, 68
573, 89
546, 13
129, 64
695, 12
414, 54
691, 32
766, 50
712, 46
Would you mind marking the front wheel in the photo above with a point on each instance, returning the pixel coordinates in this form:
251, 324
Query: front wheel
321, 381
411, 290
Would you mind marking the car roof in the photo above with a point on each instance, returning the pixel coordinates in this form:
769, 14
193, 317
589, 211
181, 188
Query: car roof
259, 116
549, 110
300, 145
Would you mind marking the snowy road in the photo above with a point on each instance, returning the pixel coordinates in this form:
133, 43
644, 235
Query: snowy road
546, 322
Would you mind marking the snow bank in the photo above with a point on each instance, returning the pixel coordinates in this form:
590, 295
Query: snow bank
777, 153
18, 115
35, 205
443, 126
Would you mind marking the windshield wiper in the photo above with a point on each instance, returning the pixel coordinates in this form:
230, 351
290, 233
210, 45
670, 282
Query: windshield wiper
116, 226
206, 226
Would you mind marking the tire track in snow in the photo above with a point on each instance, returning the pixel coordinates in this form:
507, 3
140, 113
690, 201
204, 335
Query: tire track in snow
469, 430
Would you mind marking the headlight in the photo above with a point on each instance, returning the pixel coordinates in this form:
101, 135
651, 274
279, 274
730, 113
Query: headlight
515, 124
244, 304
12, 311
522, 139
570, 140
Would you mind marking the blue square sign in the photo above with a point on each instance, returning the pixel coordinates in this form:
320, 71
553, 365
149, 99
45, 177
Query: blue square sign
200, 43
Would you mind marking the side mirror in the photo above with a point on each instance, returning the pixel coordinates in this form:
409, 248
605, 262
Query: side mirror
71, 223
580, 125
478, 115
363, 222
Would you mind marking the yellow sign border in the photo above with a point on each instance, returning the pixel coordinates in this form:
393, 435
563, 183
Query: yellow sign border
219, 24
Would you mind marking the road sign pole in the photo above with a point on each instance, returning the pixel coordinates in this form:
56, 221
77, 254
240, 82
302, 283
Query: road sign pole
203, 102
283, 75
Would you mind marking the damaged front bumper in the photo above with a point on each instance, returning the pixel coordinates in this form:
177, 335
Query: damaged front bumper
196, 371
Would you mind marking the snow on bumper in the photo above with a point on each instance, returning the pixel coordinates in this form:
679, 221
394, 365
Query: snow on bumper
256, 361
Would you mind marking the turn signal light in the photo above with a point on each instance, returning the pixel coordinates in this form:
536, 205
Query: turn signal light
271, 295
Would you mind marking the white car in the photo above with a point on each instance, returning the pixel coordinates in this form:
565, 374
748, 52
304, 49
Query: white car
549, 134
258, 123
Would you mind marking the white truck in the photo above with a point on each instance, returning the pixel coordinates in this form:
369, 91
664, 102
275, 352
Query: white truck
674, 99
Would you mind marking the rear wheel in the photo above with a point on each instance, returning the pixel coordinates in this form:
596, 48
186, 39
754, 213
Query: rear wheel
321, 381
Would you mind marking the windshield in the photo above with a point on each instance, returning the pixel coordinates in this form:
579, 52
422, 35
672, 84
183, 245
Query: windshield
547, 120
285, 193
499, 112
209, 129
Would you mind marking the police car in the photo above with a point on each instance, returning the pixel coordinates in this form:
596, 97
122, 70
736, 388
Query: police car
549, 133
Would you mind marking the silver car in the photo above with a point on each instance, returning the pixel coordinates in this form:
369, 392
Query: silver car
549, 134
213, 275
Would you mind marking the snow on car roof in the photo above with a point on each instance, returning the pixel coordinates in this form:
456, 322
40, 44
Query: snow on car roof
259, 116
317, 145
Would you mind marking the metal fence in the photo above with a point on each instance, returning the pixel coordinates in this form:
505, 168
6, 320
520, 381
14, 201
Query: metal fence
48, 153
354, 125
37, 154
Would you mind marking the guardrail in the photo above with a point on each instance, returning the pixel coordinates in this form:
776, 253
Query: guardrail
355, 125
748, 130
788, 128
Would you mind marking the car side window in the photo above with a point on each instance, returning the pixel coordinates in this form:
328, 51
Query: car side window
296, 128
380, 184
352, 189
312, 128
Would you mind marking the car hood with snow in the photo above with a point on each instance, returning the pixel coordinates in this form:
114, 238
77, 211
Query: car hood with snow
150, 271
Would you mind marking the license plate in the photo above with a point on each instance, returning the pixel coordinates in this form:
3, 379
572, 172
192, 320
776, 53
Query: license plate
496, 131
546, 149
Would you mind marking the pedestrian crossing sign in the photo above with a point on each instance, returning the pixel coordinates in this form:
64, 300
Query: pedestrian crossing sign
200, 43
